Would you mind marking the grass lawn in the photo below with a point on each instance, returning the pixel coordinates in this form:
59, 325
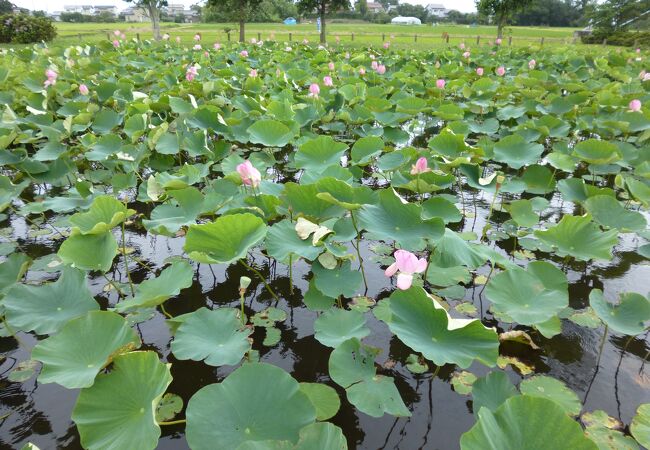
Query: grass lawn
364, 33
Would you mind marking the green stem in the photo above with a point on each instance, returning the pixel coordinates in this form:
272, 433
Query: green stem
241, 302
435, 372
173, 422
126, 261
119, 291
290, 274
13, 333
259, 275
164, 311
358, 239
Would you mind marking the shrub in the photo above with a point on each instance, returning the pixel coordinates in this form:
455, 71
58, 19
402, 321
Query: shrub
622, 38
24, 29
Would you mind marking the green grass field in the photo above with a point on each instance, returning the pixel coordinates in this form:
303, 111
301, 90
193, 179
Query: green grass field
364, 33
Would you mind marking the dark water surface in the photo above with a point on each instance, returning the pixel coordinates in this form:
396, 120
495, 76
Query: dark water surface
617, 384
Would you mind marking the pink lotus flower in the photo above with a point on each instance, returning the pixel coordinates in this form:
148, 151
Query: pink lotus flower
381, 69
165, 37
498, 41
197, 37
646, 77
386, 45
331, 66
374, 65
327, 81
501, 71
178, 39
305, 41
206, 54
250, 176
243, 54
83, 89
638, 50
252, 73
462, 46
531, 64
362, 71
192, 72
420, 166
217, 46
117, 33
51, 78
253, 41
440, 84
197, 47
479, 71
466, 55
372, 56
122, 36
406, 263
635, 105
314, 90
116, 43
288, 49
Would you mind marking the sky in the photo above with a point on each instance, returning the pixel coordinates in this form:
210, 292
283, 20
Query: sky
57, 5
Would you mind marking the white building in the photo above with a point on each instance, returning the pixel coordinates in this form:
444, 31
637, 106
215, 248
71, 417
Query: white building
399, 20
90, 10
436, 9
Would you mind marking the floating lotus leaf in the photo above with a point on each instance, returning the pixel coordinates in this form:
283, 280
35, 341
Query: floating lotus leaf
552, 389
89, 251
607, 211
46, 308
168, 407
594, 151
319, 153
270, 133
268, 402
630, 316
427, 328
323, 397
491, 391
342, 194
13, 269
118, 410
530, 296
365, 149
156, 291
522, 213
640, 427
441, 207
449, 145
84, 346
516, 152
214, 336
303, 200
338, 325
525, 422
315, 299
579, 237
282, 241
225, 240
393, 220
167, 219
105, 213
341, 280
321, 436
452, 251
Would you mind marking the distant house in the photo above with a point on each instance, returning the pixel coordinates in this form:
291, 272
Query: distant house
90, 10
375, 8
134, 15
436, 9
191, 16
399, 20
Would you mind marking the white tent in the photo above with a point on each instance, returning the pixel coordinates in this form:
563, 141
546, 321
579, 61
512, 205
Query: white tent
406, 21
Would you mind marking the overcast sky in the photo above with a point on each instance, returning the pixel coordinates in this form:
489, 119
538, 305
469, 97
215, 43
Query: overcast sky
57, 5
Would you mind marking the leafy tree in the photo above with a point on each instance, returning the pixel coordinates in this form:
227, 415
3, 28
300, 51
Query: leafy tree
152, 9
554, 13
6, 7
408, 10
362, 7
500, 10
322, 7
618, 15
237, 10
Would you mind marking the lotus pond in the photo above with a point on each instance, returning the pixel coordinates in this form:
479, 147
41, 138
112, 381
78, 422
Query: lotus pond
269, 247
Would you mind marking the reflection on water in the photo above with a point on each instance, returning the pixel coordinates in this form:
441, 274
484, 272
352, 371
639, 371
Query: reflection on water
41, 413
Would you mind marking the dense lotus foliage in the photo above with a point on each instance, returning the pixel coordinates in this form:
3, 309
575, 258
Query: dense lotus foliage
334, 160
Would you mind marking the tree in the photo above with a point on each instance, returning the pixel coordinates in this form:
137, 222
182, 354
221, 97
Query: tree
6, 7
362, 7
322, 7
238, 10
500, 10
618, 15
152, 9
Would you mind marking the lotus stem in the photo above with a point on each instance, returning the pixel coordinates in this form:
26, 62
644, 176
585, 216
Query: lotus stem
126, 261
291, 274
259, 275
242, 293
112, 283
173, 422
164, 311
357, 247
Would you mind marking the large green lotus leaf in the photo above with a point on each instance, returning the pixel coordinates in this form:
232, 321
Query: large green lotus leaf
393, 220
530, 296
342, 194
639, 189
105, 213
491, 391
377, 396
270, 133
341, 280
118, 410
352, 362
105, 121
522, 213
319, 153
89, 251
418, 321
167, 219
579, 237
315, 300
609, 212
605, 432
75, 355
12, 269
365, 149
452, 251
215, 336
630, 316
552, 389
283, 241
441, 207
324, 398
338, 325
45, 308
640, 427
157, 290
594, 151
225, 240
447, 276
257, 402
321, 436
303, 200
525, 422
449, 145
514, 151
